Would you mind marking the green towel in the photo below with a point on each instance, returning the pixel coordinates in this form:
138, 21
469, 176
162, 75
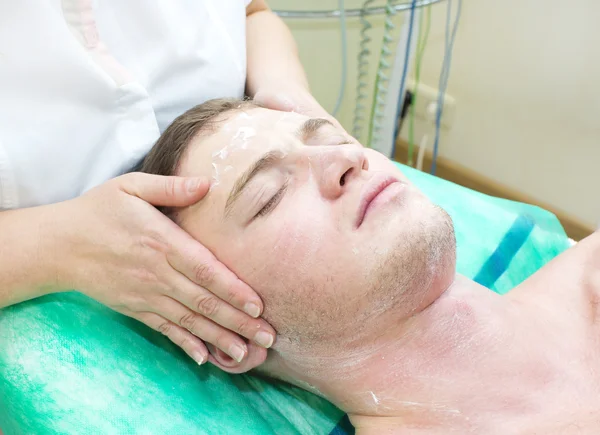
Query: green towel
71, 366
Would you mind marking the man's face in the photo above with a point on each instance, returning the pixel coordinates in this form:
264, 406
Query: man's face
330, 234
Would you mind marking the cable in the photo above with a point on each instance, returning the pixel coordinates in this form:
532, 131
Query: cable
423, 38
401, 93
405, 70
430, 112
444, 76
340, 97
421, 155
363, 72
318, 14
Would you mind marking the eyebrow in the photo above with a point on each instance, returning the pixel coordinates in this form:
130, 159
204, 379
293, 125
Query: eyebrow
269, 159
265, 162
310, 127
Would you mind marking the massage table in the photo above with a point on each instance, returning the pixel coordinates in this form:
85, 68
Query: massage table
69, 365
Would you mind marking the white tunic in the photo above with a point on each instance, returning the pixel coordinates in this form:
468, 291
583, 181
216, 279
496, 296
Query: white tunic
87, 86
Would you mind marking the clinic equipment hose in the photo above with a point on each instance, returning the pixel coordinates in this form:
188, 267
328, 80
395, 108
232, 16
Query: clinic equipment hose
381, 77
422, 40
344, 74
444, 76
363, 73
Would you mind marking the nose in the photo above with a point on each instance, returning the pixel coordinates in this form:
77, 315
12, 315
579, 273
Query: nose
334, 167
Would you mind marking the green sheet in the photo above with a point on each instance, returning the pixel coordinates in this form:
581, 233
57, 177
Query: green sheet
70, 366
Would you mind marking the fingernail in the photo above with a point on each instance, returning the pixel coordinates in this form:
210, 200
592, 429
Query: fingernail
193, 185
237, 352
264, 339
198, 357
252, 309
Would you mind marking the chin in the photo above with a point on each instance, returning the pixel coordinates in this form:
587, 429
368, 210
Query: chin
416, 258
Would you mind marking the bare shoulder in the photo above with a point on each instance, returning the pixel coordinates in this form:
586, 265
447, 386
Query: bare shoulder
570, 281
590, 245
584, 258
576, 262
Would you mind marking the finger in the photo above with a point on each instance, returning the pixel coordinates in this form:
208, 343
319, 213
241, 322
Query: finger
275, 101
187, 341
203, 328
200, 266
256, 356
165, 191
203, 302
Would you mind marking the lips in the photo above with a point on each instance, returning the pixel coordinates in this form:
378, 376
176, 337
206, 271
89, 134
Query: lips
375, 186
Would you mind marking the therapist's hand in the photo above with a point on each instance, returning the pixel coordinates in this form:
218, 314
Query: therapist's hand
288, 97
124, 253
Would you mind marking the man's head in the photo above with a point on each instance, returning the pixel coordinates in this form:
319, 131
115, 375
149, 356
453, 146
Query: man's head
330, 234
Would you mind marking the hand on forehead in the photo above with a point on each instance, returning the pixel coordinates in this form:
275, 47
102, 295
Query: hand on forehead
240, 138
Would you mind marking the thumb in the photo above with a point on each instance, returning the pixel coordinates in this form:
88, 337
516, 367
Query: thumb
276, 101
165, 191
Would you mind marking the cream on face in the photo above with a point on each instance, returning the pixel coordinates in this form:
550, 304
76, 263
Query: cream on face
244, 131
283, 218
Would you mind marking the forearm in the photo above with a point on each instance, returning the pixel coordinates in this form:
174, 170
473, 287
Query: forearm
28, 254
272, 53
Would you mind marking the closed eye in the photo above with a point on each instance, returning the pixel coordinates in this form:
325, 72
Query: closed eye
343, 141
272, 203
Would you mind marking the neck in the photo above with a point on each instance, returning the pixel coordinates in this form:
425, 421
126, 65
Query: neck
422, 372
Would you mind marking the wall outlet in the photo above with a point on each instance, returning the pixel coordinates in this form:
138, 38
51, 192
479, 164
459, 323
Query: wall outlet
427, 101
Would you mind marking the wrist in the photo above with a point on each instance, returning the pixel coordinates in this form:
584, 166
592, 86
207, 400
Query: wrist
53, 248
28, 255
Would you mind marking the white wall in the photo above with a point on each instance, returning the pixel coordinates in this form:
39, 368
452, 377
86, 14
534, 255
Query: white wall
526, 77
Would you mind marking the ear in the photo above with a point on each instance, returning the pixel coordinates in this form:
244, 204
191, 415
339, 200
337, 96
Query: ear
255, 357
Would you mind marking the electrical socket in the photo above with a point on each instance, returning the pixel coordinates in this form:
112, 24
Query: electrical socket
427, 101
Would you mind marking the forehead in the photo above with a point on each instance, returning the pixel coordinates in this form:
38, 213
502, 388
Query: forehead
237, 139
